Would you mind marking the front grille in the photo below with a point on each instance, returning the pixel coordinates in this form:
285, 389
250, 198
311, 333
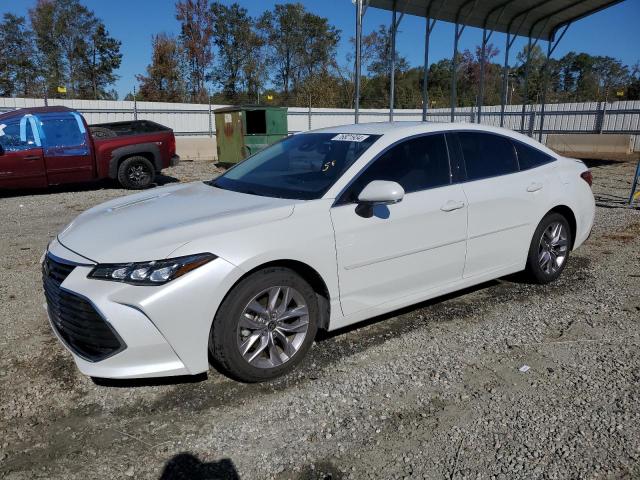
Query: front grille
77, 322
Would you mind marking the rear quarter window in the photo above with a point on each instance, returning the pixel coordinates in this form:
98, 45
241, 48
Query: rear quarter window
530, 157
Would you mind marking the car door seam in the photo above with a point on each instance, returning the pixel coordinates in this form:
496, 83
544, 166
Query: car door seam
403, 254
499, 230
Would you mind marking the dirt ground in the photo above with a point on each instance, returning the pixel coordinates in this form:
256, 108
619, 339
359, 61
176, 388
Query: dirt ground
433, 391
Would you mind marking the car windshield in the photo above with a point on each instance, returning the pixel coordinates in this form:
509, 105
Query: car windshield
301, 167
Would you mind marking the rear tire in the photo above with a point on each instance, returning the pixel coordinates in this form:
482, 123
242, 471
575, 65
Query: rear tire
549, 249
265, 325
136, 173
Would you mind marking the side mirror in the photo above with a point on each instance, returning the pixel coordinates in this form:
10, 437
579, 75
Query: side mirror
378, 193
381, 192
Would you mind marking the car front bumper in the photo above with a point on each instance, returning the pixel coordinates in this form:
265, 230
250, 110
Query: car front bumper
162, 330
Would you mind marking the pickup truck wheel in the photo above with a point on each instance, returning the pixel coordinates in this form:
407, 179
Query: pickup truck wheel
136, 173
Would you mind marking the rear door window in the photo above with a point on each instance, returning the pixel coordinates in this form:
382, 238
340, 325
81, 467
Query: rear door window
530, 157
487, 155
64, 134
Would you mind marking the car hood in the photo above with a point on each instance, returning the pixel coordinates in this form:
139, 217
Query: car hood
152, 224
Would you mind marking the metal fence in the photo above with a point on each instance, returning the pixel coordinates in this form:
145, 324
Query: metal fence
197, 119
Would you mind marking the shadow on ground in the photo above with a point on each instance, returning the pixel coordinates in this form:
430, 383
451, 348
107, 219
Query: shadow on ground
186, 466
81, 187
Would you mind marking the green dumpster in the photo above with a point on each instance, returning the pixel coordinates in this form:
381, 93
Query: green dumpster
243, 131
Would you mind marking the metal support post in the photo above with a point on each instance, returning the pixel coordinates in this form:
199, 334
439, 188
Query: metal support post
358, 72
392, 81
505, 76
210, 116
460, 26
485, 38
425, 74
454, 73
545, 75
525, 95
634, 185
135, 105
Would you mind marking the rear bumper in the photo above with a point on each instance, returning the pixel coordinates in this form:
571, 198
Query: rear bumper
175, 160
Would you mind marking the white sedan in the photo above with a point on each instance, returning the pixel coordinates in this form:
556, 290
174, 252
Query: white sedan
321, 230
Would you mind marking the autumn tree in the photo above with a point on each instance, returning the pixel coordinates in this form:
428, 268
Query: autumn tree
164, 81
196, 33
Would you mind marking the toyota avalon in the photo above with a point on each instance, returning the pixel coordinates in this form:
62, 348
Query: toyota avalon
318, 231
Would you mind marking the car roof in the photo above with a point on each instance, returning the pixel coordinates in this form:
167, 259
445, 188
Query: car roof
395, 131
34, 111
409, 128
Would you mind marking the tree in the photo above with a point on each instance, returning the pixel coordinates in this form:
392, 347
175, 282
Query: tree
611, 75
300, 44
19, 71
536, 63
237, 43
316, 53
98, 69
68, 35
164, 80
380, 63
282, 31
633, 90
196, 35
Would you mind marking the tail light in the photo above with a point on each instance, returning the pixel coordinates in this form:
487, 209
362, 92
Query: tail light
587, 177
172, 145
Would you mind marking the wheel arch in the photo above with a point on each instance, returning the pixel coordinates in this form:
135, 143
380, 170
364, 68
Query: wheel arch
309, 274
149, 151
567, 213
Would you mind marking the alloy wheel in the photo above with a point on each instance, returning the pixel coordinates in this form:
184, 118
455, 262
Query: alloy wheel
272, 327
553, 248
139, 174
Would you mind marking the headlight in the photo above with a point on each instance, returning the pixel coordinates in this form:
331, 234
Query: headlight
157, 272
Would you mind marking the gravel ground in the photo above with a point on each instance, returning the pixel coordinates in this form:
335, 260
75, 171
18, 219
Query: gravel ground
433, 391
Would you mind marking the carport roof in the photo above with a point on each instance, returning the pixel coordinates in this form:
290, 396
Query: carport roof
528, 18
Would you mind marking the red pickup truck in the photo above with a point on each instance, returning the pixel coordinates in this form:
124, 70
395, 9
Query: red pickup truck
53, 145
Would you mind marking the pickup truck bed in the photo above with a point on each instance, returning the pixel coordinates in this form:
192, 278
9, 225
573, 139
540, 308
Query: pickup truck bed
119, 129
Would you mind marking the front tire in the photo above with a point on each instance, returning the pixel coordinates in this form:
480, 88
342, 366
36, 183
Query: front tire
136, 173
549, 249
265, 325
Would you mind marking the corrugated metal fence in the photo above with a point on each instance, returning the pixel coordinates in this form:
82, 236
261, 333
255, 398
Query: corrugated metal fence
196, 119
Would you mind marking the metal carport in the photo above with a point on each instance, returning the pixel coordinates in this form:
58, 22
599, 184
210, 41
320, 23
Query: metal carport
536, 20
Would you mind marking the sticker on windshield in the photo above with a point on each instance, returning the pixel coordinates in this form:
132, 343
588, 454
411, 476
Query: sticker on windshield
350, 137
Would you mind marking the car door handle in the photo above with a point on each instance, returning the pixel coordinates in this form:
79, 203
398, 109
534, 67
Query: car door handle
534, 187
32, 158
451, 205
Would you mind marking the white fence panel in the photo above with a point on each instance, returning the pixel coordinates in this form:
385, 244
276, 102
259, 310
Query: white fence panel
195, 119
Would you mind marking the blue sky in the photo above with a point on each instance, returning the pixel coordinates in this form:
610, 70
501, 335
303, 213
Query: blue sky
614, 32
